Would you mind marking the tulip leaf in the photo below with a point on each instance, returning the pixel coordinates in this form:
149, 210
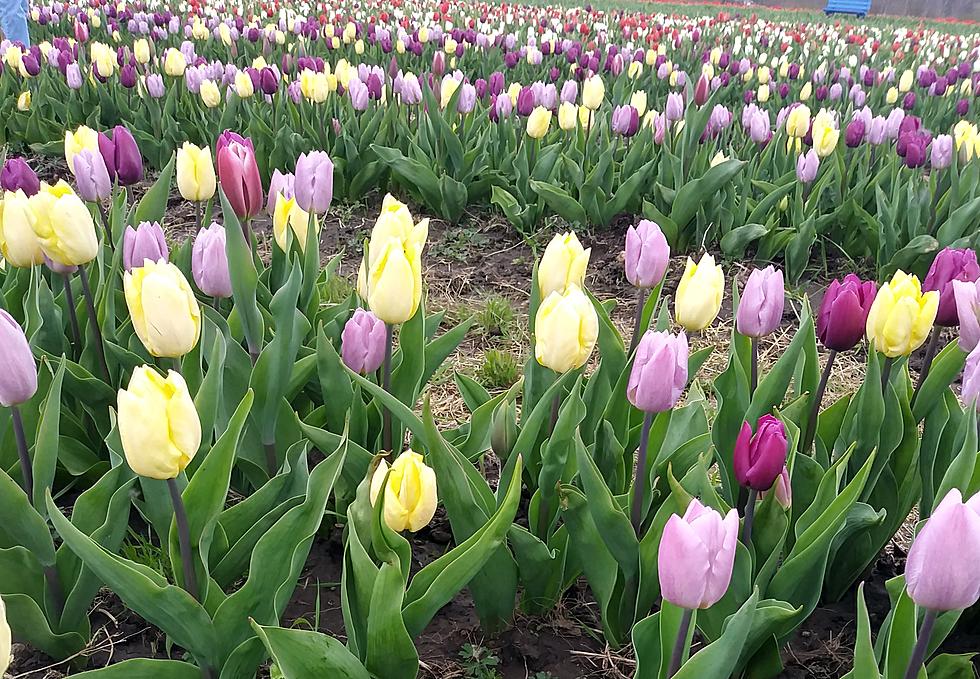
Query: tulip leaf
390, 651
440, 349
334, 382
399, 410
718, 659
558, 200
208, 398
45, 461
865, 663
696, 192
949, 666
153, 205
772, 388
145, 668
945, 368
20, 524
407, 376
960, 472
244, 277
555, 451
30, 625
301, 654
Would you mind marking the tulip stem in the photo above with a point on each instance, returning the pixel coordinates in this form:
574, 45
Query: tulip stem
76, 334
931, 348
184, 536
105, 223
197, 216
26, 468
544, 507
754, 367
678, 653
749, 516
921, 645
640, 480
55, 588
94, 322
886, 372
641, 298
386, 430
811, 424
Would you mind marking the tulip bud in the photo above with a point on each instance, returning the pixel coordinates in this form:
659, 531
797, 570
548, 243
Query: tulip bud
702, 90
18, 370
238, 173
145, 242
967, 297
63, 225
503, 429
659, 374
593, 92
122, 156
647, 254
566, 328
538, 122
696, 556
158, 424
563, 264
195, 173
941, 571
844, 312
209, 262
760, 308
783, 489
18, 244
289, 214
410, 495
901, 316
951, 264
91, 176
82, 138
363, 342
759, 458
164, 311
699, 293
807, 166
280, 185
314, 181
18, 175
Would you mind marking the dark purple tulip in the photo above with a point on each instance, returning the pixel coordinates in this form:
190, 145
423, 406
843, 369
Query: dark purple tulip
916, 150
122, 156
269, 81
951, 264
844, 312
869, 77
374, 86
18, 175
127, 76
908, 103
759, 458
481, 88
821, 92
854, 134
783, 90
496, 83
962, 107
31, 64
525, 101
940, 86
726, 59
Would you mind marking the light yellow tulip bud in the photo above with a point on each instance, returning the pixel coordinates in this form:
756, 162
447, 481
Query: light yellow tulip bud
566, 328
210, 94
359, 47
763, 75
538, 122
289, 214
174, 64
563, 264
63, 225
901, 316
259, 62
396, 222
718, 159
165, 313
585, 116
195, 173
635, 70
512, 92
394, 284
639, 102
24, 101
906, 81
18, 244
158, 424
410, 495
806, 91
141, 51
699, 294
763, 95
593, 92
423, 35
567, 116
891, 96
243, 85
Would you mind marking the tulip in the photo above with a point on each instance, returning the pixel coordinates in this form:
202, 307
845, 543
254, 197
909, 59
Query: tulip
396, 222
174, 63
155, 87
538, 122
798, 121
566, 328
122, 156
807, 166
280, 184
625, 121
5, 640
825, 134
901, 316
967, 296
699, 294
410, 494
638, 100
760, 308
238, 174
243, 85
288, 213
63, 225
362, 345
210, 94
970, 391
854, 134
659, 373
696, 556
593, 92
844, 312
567, 116
82, 138
209, 262
145, 242
759, 458
314, 181
702, 90
18, 369
647, 254
18, 175
951, 264
394, 279
164, 311
675, 107
91, 176
195, 173
942, 152
783, 489
563, 264
18, 243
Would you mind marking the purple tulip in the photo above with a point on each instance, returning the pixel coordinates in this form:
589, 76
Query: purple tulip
122, 156
951, 264
209, 262
941, 571
269, 80
525, 102
967, 296
807, 166
675, 107
942, 152
962, 107
625, 120
569, 92
314, 181
18, 175
359, 95
73, 75
466, 101
970, 391
760, 308
759, 458
854, 134
844, 312
659, 373
154, 85
91, 176
702, 90
362, 345
647, 254
145, 242
908, 103
696, 556
18, 370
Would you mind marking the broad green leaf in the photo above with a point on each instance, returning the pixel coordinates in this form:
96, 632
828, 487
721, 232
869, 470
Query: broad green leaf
301, 654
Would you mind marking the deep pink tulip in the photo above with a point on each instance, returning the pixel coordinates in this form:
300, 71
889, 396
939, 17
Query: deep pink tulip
844, 312
238, 174
951, 264
759, 458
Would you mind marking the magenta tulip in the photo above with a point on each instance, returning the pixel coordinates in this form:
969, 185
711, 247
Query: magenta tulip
951, 264
238, 174
759, 458
760, 308
122, 156
844, 312
18, 175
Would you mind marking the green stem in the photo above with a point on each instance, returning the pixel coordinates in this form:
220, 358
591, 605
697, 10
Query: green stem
544, 506
26, 467
921, 645
931, 349
640, 479
386, 431
749, 516
678, 653
94, 322
811, 425
184, 537
886, 372
641, 298
76, 333
754, 375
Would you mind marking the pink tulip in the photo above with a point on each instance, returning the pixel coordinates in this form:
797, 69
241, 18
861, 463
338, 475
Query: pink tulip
647, 254
760, 307
968, 313
363, 342
659, 373
209, 262
696, 556
238, 174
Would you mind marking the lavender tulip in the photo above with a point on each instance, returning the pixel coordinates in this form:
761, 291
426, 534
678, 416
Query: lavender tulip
363, 342
18, 370
281, 184
951, 264
314, 182
807, 166
659, 373
941, 155
967, 296
675, 107
647, 254
209, 262
760, 308
91, 175
145, 242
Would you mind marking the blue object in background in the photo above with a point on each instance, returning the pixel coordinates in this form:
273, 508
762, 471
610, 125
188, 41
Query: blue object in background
856, 7
13, 21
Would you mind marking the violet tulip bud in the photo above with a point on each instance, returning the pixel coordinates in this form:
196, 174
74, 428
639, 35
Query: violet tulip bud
941, 572
18, 175
647, 254
702, 90
854, 134
18, 370
967, 296
145, 242
209, 262
675, 107
951, 264
759, 457
807, 166
363, 342
659, 373
760, 308
844, 312
783, 489
314, 182
696, 556
238, 174
122, 156
91, 176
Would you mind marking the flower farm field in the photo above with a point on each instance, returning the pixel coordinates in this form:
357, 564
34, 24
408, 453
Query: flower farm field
471, 340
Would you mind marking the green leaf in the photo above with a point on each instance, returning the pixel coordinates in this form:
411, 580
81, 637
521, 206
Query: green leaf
20, 524
145, 668
300, 654
48, 442
718, 659
865, 663
244, 277
153, 205
558, 200
948, 666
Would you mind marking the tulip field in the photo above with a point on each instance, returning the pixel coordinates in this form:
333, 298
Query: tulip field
399, 339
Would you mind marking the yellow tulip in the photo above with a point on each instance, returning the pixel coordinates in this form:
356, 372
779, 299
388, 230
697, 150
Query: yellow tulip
967, 139
141, 51
763, 94
699, 293
18, 244
5, 640
400, 46
708, 71
891, 96
423, 35
806, 91
650, 58
450, 46
718, 159
314, 86
289, 214
84, 138
566, 328
825, 133
259, 62
593, 92
199, 31
359, 47
158, 424
344, 72
901, 316
24, 101
63, 225
906, 81
243, 85
210, 94
563, 264
763, 75
585, 116
410, 495
165, 313
396, 223
639, 101
798, 122
448, 89
195, 173
567, 116
538, 122
635, 70
14, 57
513, 91
394, 281
174, 64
